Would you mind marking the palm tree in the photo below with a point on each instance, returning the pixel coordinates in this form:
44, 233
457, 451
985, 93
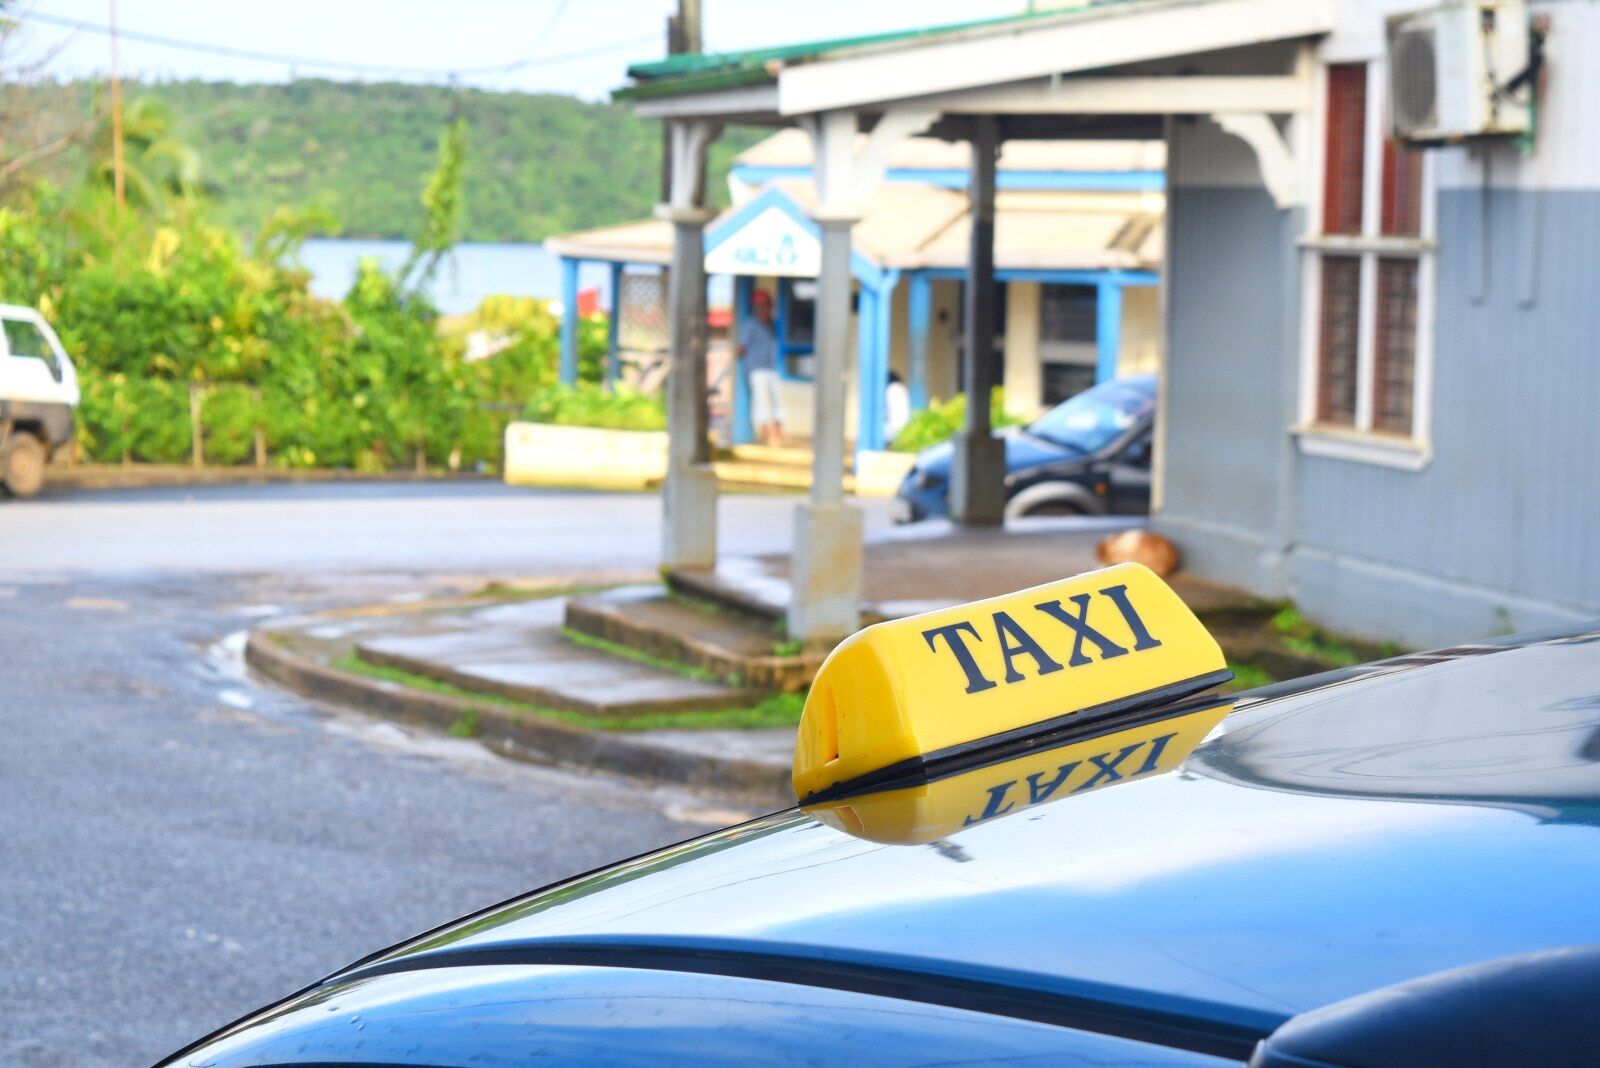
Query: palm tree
156, 164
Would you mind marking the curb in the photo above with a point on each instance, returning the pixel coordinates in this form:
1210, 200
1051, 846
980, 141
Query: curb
519, 735
140, 476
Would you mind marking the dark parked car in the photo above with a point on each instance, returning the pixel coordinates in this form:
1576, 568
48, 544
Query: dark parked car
1389, 865
1089, 455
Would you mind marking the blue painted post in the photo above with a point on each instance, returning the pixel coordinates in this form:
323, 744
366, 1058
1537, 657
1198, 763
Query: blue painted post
780, 326
869, 372
744, 431
881, 342
569, 321
920, 298
1107, 328
614, 330
873, 364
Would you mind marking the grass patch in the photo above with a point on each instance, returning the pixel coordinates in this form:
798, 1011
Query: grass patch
688, 671
699, 604
1299, 635
778, 710
505, 591
1248, 677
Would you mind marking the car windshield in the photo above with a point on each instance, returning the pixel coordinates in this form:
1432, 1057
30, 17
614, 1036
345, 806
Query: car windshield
1096, 417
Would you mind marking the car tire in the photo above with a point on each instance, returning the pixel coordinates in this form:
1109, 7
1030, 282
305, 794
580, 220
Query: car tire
22, 464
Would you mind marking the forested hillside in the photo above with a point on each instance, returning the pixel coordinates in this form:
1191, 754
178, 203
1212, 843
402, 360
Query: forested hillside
536, 164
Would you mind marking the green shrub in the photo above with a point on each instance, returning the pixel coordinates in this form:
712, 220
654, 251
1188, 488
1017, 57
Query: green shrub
587, 404
229, 416
941, 420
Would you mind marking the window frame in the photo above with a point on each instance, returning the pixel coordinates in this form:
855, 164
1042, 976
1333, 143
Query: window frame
1362, 442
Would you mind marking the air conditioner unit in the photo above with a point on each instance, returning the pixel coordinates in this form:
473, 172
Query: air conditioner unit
1450, 68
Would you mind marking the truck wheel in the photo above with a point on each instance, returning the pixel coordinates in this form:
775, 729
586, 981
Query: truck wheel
22, 464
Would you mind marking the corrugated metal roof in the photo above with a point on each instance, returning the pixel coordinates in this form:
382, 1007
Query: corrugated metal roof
701, 71
909, 225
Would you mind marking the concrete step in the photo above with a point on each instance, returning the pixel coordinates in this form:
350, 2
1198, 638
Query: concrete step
786, 455
768, 475
730, 645
536, 664
744, 473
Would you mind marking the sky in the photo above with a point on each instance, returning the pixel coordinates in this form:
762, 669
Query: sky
431, 39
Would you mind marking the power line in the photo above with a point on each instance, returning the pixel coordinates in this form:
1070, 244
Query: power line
314, 63
538, 39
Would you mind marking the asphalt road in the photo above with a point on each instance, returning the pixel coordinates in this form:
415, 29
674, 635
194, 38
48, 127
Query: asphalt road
179, 845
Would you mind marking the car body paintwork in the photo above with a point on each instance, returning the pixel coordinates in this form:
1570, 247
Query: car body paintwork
1328, 838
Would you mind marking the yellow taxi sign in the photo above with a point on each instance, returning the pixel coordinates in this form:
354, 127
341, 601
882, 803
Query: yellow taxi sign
927, 811
904, 695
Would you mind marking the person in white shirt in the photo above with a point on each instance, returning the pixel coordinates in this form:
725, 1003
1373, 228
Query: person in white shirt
896, 408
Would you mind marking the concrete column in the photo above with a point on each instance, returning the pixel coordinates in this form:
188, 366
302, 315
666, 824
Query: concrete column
920, 313
689, 496
744, 432
568, 368
1107, 329
977, 470
614, 330
825, 571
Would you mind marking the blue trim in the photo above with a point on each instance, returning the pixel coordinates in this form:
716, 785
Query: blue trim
614, 329
956, 178
569, 321
1062, 277
920, 312
744, 432
727, 227
1107, 330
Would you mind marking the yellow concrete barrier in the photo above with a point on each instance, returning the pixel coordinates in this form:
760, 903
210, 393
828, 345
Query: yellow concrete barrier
540, 454
879, 474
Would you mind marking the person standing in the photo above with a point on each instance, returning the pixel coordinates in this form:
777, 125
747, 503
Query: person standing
896, 408
758, 348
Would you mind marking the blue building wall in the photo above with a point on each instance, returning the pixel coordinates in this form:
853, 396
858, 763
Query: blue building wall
1500, 531
1232, 300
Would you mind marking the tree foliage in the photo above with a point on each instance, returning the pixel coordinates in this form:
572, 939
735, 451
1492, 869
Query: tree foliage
159, 303
540, 163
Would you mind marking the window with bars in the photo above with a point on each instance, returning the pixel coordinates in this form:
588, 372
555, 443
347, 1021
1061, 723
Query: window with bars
1371, 259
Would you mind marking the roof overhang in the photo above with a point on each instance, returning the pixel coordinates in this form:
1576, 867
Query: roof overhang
1015, 66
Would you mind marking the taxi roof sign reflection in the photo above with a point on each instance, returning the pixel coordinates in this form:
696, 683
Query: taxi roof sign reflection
903, 697
934, 809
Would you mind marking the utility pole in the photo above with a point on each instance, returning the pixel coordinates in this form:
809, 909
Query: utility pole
117, 177
683, 35
689, 25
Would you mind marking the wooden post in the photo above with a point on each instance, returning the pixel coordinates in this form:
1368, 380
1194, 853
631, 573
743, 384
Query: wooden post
260, 432
118, 177
977, 469
197, 441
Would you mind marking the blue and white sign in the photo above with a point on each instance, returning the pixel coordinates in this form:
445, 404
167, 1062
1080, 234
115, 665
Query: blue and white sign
770, 242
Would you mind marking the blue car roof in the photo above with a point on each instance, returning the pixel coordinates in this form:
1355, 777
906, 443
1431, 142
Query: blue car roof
1327, 839
1419, 815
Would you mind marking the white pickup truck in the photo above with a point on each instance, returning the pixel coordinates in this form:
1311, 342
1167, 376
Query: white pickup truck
38, 392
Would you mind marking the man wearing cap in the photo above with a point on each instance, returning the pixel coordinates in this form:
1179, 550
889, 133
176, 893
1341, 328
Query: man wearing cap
758, 347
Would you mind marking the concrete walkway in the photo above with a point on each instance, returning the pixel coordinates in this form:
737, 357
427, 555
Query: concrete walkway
495, 660
937, 563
